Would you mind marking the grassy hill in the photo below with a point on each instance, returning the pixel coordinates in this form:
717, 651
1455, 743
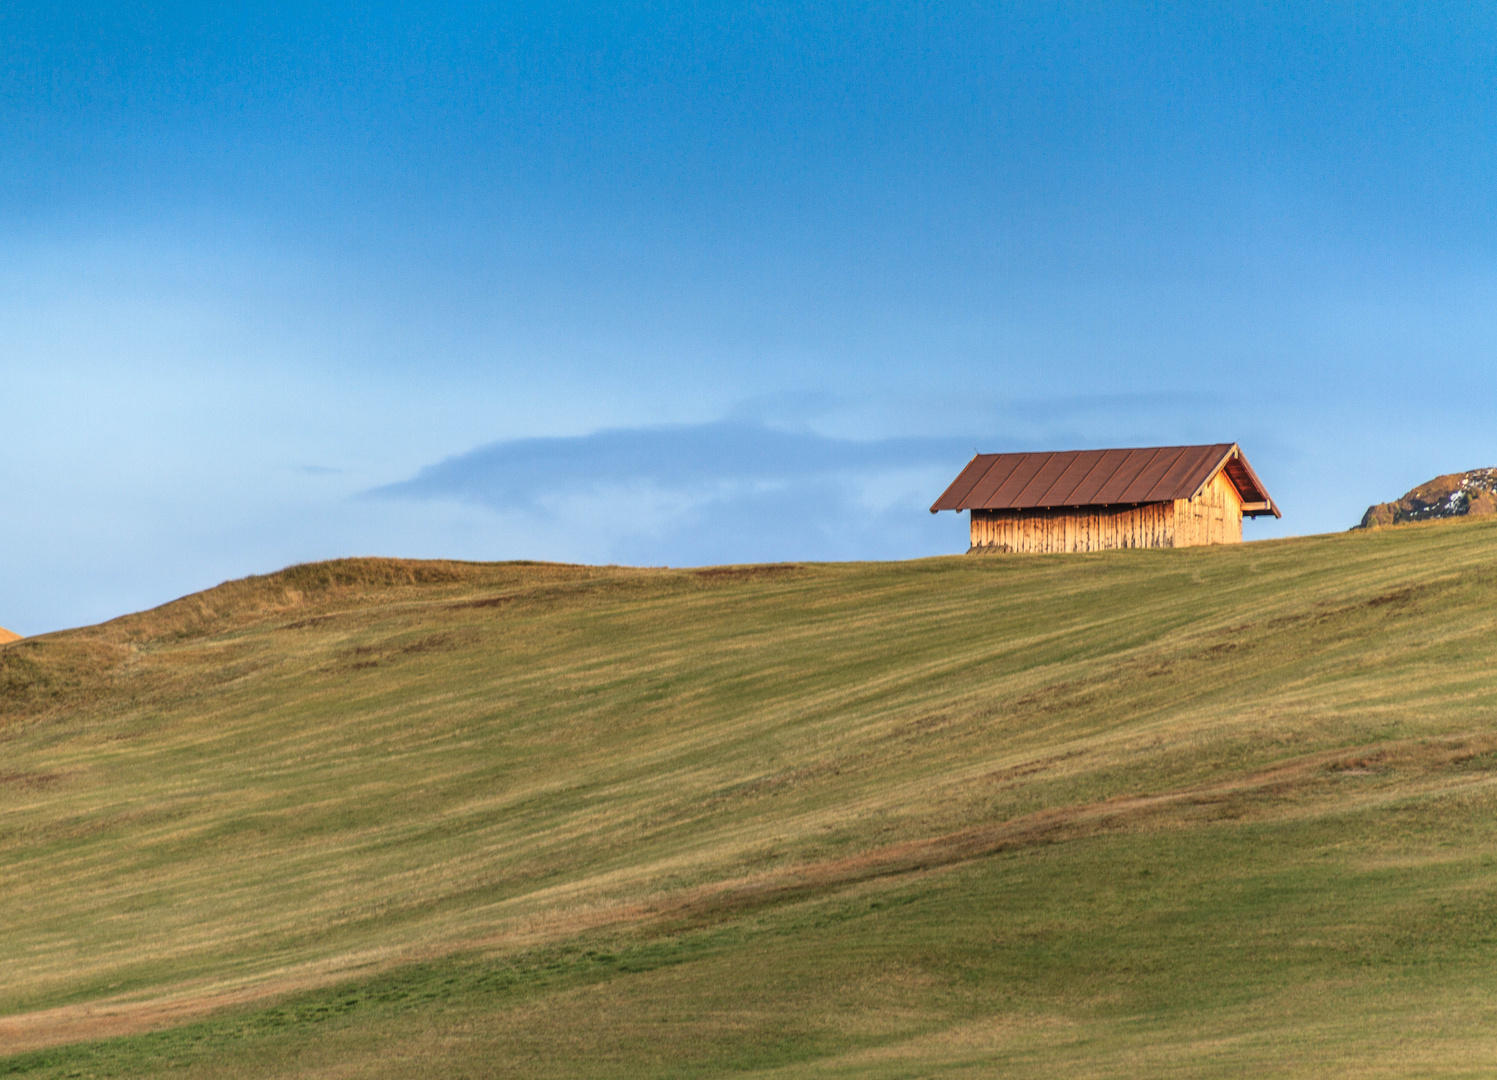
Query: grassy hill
1201, 812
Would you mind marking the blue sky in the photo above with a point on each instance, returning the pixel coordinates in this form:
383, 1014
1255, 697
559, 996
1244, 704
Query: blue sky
689, 283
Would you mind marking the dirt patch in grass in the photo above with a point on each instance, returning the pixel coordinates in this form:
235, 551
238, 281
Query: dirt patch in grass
725, 574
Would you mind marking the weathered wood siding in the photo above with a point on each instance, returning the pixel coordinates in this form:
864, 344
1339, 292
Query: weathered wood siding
1212, 517
1086, 528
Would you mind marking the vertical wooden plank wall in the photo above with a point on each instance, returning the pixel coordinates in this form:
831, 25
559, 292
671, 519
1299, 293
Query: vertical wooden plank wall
1212, 517
1073, 528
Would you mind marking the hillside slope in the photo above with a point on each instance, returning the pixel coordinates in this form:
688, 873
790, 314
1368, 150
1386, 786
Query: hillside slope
1197, 812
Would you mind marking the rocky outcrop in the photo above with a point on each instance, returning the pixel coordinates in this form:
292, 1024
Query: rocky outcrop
1452, 495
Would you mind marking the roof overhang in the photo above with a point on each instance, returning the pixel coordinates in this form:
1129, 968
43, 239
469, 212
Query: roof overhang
1256, 501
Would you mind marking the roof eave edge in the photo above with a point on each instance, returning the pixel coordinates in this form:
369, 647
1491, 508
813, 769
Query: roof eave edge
936, 507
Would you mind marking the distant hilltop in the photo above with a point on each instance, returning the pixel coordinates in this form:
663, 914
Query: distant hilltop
6, 637
1452, 495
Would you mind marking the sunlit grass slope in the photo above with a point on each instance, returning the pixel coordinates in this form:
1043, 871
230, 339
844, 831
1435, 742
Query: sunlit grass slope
1204, 812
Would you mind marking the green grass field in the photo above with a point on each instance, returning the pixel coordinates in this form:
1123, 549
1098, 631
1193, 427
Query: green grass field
1209, 812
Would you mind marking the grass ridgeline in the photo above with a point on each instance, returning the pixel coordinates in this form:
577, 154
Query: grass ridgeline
1198, 812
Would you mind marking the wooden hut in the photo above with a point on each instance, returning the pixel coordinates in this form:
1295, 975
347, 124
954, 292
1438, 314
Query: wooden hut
1092, 500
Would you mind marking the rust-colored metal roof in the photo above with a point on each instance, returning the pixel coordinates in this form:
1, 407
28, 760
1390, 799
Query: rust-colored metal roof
1102, 478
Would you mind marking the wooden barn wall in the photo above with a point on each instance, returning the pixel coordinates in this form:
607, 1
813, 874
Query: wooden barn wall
1212, 517
1089, 528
